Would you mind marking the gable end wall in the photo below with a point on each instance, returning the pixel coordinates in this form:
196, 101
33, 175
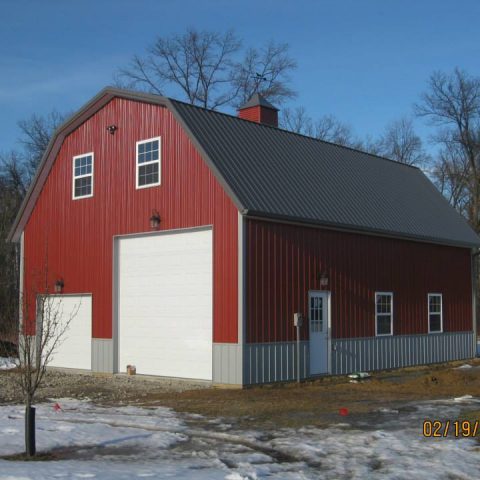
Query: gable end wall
77, 235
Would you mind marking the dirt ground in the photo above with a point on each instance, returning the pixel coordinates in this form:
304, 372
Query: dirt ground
280, 405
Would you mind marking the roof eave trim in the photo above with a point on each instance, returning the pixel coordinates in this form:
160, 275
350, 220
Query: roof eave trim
356, 229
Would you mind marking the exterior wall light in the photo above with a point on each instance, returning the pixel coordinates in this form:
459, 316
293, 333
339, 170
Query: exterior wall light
111, 129
323, 280
59, 285
155, 220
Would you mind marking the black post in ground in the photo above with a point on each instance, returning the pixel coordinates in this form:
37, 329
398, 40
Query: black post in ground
30, 431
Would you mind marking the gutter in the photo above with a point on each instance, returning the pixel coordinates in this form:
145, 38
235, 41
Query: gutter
474, 297
346, 228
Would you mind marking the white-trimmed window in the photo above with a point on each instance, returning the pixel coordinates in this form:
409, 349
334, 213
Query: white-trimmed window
435, 313
82, 176
383, 313
148, 163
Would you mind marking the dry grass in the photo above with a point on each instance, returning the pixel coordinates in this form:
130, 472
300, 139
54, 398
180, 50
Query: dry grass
314, 403
39, 457
280, 405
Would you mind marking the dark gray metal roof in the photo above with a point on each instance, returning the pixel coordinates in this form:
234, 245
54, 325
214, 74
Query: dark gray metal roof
272, 173
258, 100
278, 174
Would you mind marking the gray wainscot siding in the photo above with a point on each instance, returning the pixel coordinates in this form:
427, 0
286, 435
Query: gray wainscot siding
274, 362
227, 363
102, 355
380, 353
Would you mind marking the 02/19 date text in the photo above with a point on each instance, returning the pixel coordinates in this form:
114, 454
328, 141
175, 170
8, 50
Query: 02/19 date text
456, 428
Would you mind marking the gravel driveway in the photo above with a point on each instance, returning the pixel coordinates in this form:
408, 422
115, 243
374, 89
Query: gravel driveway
99, 388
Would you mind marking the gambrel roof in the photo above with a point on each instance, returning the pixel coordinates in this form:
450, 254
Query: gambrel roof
272, 173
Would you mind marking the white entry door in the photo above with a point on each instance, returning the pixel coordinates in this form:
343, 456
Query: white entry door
318, 318
165, 304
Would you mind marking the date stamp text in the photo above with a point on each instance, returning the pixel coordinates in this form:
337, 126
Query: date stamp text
456, 428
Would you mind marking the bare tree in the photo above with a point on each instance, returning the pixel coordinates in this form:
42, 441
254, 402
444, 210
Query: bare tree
266, 71
450, 174
12, 190
330, 129
17, 169
42, 329
370, 144
452, 104
36, 133
296, 120
204, 67
399, 142
14, 173
327, 127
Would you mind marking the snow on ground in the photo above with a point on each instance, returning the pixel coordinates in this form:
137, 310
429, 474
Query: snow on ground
7, 363
131, 442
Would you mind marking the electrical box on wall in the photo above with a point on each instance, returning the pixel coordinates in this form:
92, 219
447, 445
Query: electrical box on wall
297, 319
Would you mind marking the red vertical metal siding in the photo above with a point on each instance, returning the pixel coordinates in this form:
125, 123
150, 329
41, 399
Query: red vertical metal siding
78, 234
284, 262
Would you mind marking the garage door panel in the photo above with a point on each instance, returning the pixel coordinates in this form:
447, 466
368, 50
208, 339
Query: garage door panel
165, 304
143, 311
75, 347
138, 284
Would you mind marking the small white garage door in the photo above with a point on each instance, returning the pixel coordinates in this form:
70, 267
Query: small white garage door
75, 347
165, 304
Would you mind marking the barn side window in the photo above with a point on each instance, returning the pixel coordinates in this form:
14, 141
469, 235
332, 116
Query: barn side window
384, 313
148, 162
435, 314
82, 176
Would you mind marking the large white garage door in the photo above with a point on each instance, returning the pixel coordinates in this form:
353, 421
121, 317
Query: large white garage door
165, 304
74, 313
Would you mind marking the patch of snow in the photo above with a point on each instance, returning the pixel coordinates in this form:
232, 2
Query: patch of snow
359, 375
235, 476
131, 442
465, 398
7, 363
387, 410
466, 365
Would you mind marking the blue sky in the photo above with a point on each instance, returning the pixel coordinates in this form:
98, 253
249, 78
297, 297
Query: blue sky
365, 61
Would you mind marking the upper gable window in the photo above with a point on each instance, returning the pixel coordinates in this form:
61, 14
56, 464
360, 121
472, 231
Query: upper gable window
83, 176
148, 162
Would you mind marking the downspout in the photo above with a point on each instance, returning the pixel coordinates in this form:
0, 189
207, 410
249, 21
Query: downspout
474, 297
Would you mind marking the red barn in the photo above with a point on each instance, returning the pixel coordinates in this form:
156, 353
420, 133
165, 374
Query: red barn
187, 239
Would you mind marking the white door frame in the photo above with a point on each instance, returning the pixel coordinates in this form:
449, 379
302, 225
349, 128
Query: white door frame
328, 296
116, 277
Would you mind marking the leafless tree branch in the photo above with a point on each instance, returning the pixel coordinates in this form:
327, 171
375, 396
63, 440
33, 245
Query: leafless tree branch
452, 104
327, 128
204, 67
400, 142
